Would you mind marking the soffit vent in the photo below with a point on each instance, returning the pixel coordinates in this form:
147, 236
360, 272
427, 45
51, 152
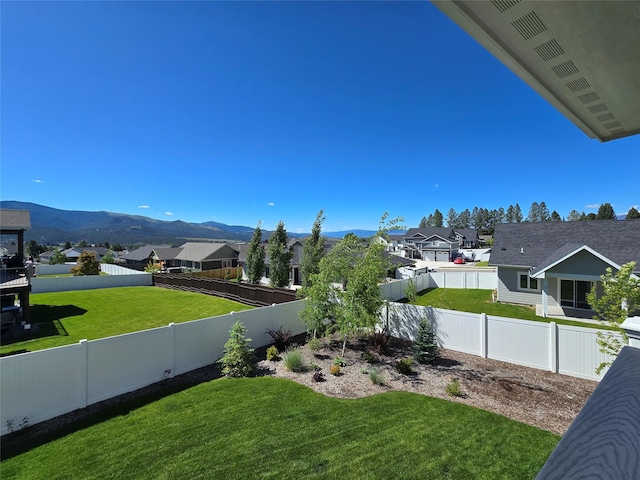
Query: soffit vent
504, 5
529, 26
588, 97
549, 50
611, 125
565, 69
605, 117
620, 130
601, 107
577, 85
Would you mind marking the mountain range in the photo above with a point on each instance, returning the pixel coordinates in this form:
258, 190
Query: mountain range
51, 226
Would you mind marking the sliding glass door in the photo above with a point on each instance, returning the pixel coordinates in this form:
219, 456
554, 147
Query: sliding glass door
573, 293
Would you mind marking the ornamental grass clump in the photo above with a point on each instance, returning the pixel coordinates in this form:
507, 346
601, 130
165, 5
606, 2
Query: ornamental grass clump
239, 359
376, 377
453, 388
294, 361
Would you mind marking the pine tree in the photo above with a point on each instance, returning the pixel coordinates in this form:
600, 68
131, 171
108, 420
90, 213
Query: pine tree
425, 348
605, 212
239, 359
423, 223
438, 219
632, 213
517, 213
255, 256
280, 255
312, 251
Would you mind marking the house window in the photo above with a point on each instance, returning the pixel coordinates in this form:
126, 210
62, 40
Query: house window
525, 282
573, 293
227, 263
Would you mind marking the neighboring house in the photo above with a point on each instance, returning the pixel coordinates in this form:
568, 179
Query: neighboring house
394, 244
74, 253
14, 275
166, 257
200, 256
440, 244
139, 258
554, 265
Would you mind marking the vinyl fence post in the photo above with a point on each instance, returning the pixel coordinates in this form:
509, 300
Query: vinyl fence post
83, 389
553, 347
484, 341
172, 342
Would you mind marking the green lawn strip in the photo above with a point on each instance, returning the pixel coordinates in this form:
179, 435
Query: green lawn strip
277, 429
68, 317
479, 301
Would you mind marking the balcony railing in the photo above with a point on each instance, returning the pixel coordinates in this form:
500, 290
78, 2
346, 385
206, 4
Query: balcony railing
14, 277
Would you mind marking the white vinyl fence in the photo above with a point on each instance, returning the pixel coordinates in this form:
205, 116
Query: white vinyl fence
547, 346
117, 277
395, 289
41, 385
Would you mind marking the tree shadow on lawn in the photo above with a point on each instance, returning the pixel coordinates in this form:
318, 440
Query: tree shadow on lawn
45, 322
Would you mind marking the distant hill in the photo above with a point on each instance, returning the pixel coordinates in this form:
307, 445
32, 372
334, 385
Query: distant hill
51, 226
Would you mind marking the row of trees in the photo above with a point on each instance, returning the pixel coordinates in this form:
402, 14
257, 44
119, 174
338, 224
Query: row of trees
484, 220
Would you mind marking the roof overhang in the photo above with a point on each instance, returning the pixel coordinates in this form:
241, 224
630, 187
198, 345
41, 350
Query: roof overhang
582, 57
541, 272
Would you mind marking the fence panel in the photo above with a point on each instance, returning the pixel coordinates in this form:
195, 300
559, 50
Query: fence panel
459, 331
518, 341
125, 363
89, 282
42, 385
200, 342
583, 340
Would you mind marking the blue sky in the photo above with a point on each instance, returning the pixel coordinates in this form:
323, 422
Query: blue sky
243, 111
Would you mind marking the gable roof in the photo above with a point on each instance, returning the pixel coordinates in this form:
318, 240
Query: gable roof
141, 254
170, 253
199, 251
14, 219
540, 244
565, 252
446, 233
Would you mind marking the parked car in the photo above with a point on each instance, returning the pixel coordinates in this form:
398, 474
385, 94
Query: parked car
459, 260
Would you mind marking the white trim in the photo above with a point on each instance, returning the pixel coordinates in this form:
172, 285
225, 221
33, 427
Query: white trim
529, 278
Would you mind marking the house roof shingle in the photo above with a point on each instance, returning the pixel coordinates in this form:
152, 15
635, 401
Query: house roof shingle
540, 244
14, 219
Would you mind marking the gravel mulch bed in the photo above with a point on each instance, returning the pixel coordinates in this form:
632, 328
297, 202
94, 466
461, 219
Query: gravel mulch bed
546, 400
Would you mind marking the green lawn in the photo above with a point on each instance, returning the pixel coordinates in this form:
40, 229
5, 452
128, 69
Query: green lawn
479, 301
277, 429
62, 318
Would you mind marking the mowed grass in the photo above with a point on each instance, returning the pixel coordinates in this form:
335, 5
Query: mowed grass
479, 301
277, 429
62, 318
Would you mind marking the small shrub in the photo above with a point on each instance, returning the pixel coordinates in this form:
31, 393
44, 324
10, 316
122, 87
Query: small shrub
376, 377
453, 388
379, 341
293, 361
368, 357
334, 370
339, 362
425, 348
281, 338
272, 353
318, 377
314, 344
315, 366
403, 366
239, 359
364, 371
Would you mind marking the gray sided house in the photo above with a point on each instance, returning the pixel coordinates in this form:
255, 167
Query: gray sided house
139, 258
439, 244
554, 265
200, 256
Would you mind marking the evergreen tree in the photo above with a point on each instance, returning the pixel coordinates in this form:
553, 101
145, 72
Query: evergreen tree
425, 348
280, 255
87, 265
510, 215
464, 219
517, 213
255, 256
543, 213
534, 212
438, 219
312, 251
452, 218
632, 213
573, 216
239, 359
605, 212
592, 216
424, 223
555, 217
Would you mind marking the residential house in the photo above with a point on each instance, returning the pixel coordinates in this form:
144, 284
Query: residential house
73, 253
139, 258
554, 265
200, 256
440, 244
15, 276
